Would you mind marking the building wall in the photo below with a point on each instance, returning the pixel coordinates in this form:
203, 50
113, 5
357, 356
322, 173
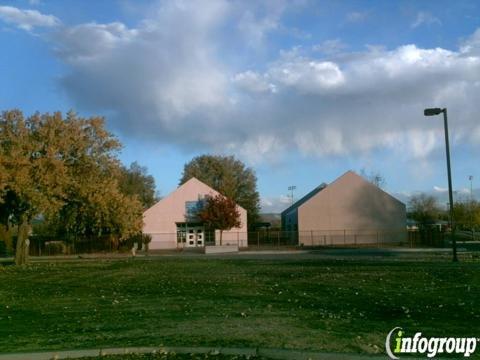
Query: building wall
160, 220
290, 220
351, 210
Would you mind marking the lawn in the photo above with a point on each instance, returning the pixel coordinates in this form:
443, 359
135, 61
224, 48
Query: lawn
314, 304
173, 356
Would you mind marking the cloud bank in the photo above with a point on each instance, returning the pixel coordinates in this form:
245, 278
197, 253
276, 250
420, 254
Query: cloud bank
171, 79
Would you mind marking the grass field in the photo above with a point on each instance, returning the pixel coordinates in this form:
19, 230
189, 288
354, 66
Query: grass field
315, 304
174, 356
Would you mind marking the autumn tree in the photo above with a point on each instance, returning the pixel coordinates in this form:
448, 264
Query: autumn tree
95, 204
424, 209
32, 157
61, 169
135, 181
229, 177
219, 213
467, 214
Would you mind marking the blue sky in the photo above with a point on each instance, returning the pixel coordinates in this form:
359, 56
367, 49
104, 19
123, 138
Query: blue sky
300, 90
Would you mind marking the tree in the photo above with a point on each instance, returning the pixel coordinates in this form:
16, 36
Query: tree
94, 203
229, 177
374, 177
219, 213
135, 181
32, 155
424, 209
53, 165
467, 214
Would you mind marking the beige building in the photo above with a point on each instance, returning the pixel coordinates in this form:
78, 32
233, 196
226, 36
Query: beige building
172, 222
350, 210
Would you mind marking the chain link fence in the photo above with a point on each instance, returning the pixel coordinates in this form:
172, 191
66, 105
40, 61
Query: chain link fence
262, 239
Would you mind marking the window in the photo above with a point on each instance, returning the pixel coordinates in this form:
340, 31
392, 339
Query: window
192, 208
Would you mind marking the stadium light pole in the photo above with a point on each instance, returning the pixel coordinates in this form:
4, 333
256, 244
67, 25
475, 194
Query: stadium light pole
471, 206
291, 189
433, 112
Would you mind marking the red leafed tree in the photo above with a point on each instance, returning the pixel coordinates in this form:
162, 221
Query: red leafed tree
220, 213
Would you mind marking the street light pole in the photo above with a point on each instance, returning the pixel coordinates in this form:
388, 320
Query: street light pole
437, 111
450, 190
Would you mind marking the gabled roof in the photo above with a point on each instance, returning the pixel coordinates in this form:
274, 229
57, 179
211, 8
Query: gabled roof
307, 197
353, 174
319, 188
192, 182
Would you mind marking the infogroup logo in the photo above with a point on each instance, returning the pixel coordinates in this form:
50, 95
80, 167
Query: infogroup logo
418, 344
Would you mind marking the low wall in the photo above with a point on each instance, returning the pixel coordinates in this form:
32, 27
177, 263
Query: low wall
231, 237
220, 249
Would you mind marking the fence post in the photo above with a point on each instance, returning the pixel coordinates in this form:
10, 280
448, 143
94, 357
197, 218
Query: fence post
278, 238
355, 239
258, 239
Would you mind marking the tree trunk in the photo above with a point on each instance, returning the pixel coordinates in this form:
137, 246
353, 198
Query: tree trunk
21, 254
221, 232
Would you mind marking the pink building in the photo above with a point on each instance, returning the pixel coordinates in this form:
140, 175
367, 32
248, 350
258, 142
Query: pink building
172, 223
350, 210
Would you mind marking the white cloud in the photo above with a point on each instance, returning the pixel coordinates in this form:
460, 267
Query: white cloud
86, 41
257, 20
330, 47
307, 75
425, 18
440, 189
471, 46
253, 82
255, 30
357, 16
160, 79
162, 82
27, 19
275, 204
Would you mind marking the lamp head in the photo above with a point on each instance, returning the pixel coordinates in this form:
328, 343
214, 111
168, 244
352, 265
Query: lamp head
432, 111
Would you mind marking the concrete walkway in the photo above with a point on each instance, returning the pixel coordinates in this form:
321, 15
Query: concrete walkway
280, 354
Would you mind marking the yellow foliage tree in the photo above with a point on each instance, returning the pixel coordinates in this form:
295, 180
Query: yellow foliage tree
50, 163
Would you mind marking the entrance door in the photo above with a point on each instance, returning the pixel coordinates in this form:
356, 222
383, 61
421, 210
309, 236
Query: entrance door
195, 237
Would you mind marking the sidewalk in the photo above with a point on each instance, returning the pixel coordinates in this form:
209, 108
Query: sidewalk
280, 354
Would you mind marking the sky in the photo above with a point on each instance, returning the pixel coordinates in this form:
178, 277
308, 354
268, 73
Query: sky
301, 91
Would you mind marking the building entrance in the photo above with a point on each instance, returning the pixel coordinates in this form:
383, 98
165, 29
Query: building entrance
190, 235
